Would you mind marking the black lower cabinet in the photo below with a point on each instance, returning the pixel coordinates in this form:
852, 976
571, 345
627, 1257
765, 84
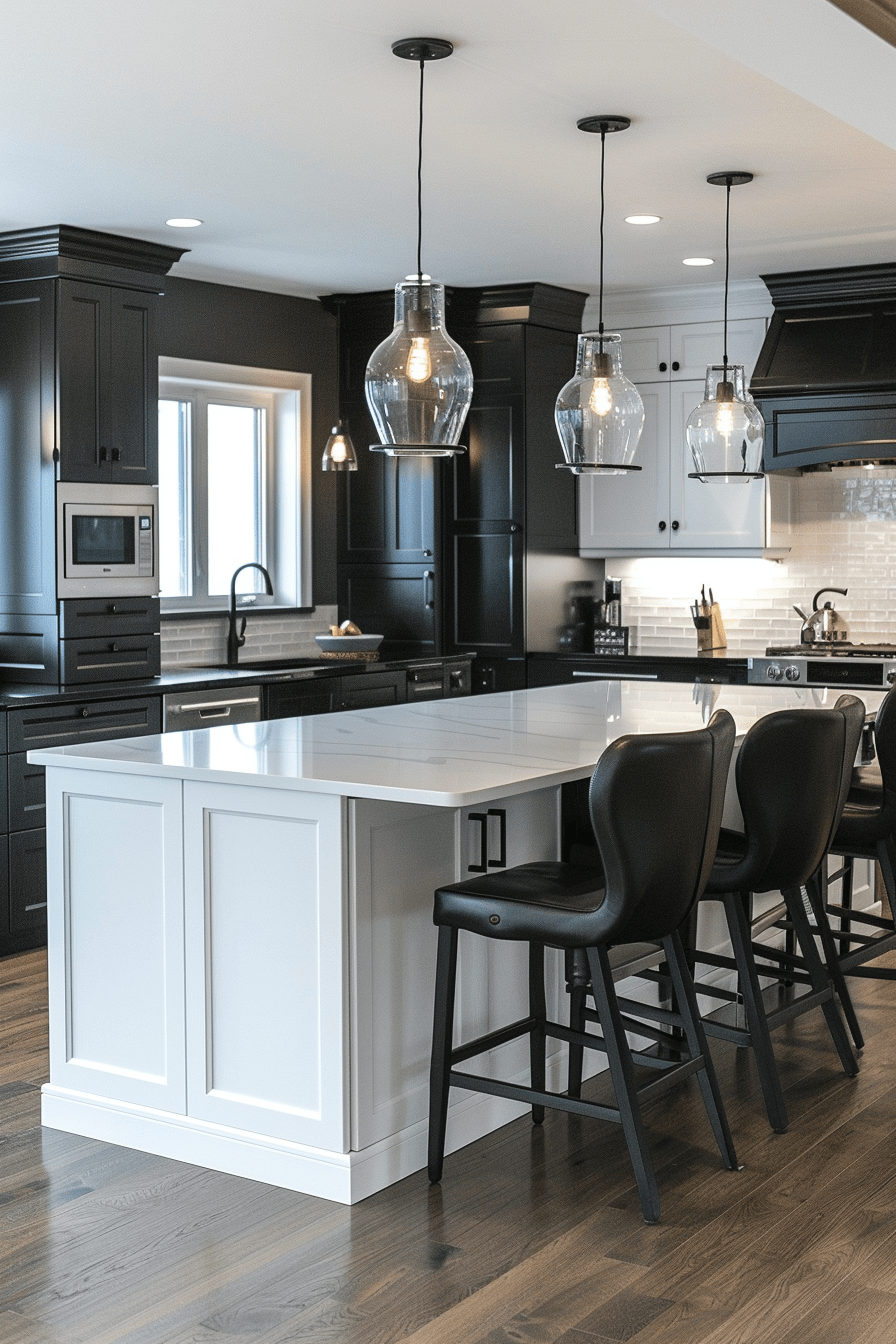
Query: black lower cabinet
23, 862
292, 699
28, 887
498, 674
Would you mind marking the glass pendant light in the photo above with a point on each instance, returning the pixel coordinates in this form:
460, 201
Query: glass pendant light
419, 383
725, 432
599, 414
339, 454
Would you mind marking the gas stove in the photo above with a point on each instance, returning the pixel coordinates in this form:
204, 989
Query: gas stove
863, 666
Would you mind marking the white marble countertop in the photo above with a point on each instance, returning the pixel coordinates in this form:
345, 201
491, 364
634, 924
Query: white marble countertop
445, 753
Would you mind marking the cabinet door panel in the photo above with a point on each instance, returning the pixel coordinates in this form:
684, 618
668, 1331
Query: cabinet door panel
28, 882
625, 512
486, 611
412, 511
695, 345
710, 514
83, 317
487, 478
131, 390
397, 600
644, 349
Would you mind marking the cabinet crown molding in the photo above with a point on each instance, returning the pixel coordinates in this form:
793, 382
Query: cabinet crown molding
63, 249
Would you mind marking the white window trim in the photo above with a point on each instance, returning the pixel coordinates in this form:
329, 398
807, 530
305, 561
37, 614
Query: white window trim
290, 499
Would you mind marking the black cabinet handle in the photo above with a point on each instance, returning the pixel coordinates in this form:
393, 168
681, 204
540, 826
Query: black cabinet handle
113, 608
429, 600
675, 365
674, 524
501, 861
102, 455
482, 865
84, 713
514, 527
113, 648
663, 367
116, 454
662, 525
427, 554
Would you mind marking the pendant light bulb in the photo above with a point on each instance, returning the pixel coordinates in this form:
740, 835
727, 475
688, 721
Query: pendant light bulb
725, 432
601, 399
419, 366
599, 414
339, 454
418, 382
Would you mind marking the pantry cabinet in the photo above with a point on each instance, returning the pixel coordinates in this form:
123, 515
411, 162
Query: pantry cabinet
661, 509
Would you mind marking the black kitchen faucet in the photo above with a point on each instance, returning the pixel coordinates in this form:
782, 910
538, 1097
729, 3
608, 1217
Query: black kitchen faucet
236, 640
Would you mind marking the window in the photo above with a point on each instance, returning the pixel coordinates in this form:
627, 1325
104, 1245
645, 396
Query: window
234, 484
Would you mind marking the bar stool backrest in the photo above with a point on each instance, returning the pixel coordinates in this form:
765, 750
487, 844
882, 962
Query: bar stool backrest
885, 746
789, 778
656, 807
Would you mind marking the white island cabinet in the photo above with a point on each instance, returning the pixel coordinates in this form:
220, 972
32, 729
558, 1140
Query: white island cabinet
241, 944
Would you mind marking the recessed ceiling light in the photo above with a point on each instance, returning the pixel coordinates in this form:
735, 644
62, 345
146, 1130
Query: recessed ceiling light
698, 261
643, 219
183, 223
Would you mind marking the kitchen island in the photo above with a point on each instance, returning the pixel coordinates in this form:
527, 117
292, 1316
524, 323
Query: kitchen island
241, 950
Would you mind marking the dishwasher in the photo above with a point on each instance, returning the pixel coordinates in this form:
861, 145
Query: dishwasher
183, 710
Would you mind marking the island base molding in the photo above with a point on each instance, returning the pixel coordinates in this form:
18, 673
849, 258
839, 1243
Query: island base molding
345, 1178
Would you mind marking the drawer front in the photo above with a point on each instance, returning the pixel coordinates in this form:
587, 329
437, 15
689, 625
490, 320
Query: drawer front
28, 881
82, 661
426, 683
58, 725
372, 690
27, 803
207, 709
108, 617
292, 699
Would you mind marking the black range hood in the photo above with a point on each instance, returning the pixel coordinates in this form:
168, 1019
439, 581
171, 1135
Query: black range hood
825, 379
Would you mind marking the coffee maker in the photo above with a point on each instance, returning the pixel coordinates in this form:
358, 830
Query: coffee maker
577, 636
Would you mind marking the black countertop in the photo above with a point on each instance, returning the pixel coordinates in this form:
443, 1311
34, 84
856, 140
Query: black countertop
15, 694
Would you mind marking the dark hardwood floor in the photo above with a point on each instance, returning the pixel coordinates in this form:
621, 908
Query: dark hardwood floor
534, 1237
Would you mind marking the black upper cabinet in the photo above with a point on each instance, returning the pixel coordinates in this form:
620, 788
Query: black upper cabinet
450, 536
107, 348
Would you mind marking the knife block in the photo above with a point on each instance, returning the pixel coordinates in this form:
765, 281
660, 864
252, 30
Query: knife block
711, 631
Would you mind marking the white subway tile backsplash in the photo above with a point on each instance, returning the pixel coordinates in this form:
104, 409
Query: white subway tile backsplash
203, 641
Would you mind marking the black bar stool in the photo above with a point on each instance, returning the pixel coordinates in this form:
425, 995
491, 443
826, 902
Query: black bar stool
656, 804
791, 773
867, 830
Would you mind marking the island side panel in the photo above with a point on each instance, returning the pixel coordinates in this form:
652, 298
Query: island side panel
266, 963
115, 893
399, 854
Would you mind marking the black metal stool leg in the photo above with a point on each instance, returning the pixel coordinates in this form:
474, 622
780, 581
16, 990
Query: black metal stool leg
835, 971
676, 958
757, 1025
819, 979
623, 1076
442, 1040
577, 987
538, 1012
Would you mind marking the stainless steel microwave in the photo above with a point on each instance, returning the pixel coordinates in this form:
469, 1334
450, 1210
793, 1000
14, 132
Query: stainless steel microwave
107, 540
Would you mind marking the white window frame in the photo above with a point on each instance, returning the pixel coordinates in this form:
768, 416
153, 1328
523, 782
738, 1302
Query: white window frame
288, 475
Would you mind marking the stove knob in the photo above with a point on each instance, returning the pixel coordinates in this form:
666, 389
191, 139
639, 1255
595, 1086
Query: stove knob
792, 672
891, 676
773, 672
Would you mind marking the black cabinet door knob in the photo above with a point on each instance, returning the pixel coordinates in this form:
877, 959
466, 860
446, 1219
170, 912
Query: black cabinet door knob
662, 525
663, 367
675, 365
674, 524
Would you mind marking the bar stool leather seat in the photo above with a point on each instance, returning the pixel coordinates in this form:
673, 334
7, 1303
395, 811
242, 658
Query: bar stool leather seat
656, 804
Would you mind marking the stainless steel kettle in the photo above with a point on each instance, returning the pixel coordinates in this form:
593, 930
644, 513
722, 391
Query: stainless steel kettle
825, 625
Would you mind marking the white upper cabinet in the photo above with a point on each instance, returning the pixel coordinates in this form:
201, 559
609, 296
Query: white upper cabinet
661, 508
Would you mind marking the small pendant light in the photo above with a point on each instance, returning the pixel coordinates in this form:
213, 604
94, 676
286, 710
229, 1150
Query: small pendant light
599, 414
339, 454
419, 383
725, 432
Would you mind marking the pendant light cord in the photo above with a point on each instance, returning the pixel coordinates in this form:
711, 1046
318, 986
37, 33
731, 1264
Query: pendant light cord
725, 311
600, 301
420, 180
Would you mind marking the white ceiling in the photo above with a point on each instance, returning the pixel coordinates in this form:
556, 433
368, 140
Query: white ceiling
290, 129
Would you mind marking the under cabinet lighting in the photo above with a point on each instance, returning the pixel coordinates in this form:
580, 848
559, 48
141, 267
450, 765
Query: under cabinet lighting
183, 223
643, 219
697, 261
